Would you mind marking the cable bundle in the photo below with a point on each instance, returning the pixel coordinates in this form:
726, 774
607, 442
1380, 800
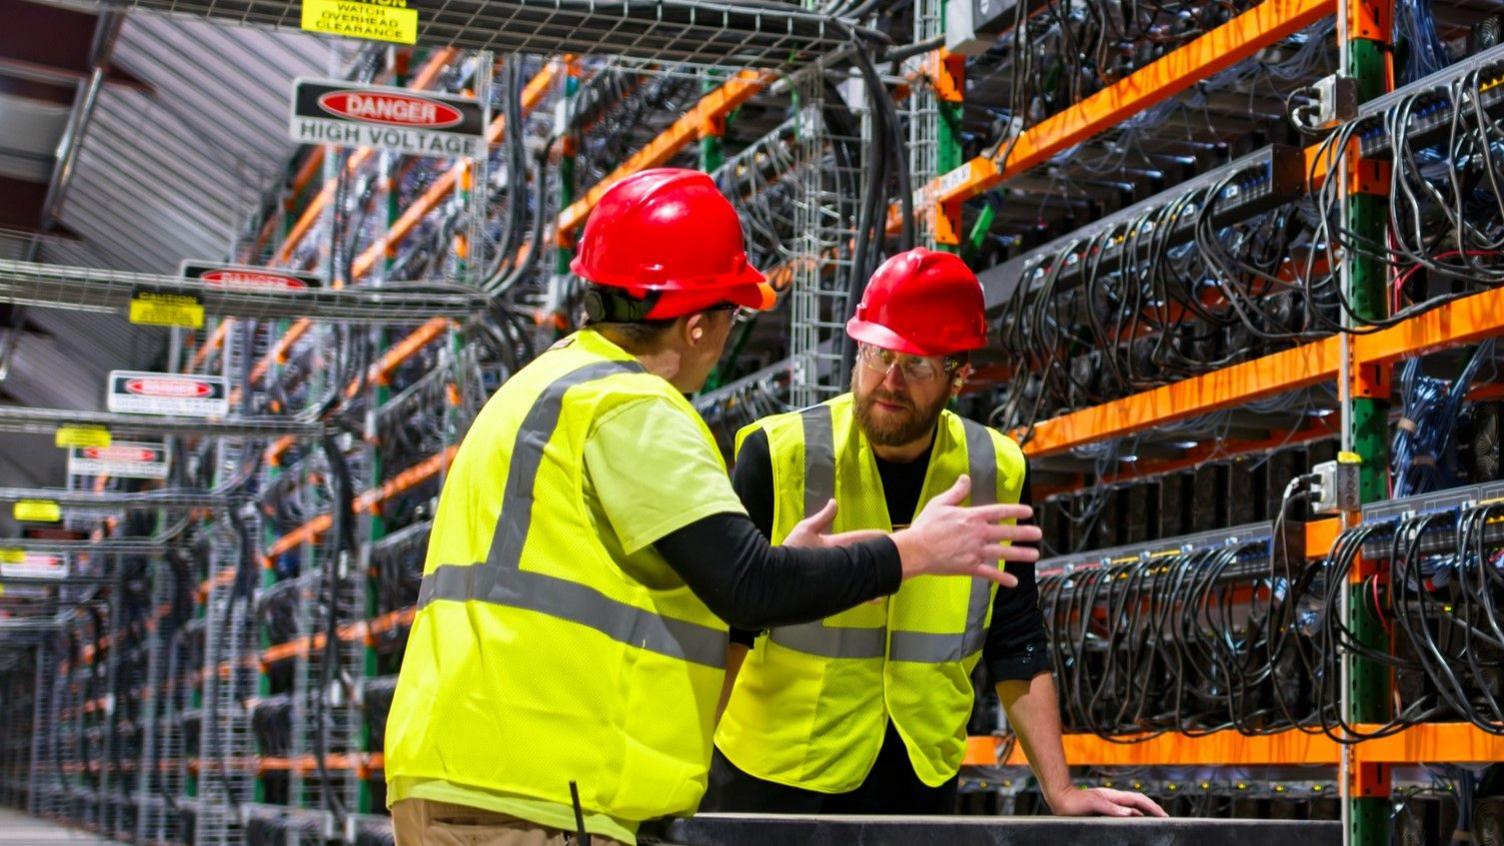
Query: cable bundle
728, 409
397, 564
266, 829
372, 836
271, 720
1167, 311
1423, 454
1162, 644
277, 608
1250, 638
1442, 595
1446, 201
377, 697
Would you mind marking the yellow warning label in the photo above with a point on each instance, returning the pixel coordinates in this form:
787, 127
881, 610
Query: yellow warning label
383, 20
82, 436
164, 308
37, 511
12, 556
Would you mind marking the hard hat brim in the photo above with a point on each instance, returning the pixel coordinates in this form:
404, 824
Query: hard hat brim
758, 295
881, 336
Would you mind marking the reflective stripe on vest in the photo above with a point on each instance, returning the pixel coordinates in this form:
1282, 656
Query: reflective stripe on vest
850, 642
501, 580
936, 648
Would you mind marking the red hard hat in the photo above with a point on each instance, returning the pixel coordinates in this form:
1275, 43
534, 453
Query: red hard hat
672, 231
922, 302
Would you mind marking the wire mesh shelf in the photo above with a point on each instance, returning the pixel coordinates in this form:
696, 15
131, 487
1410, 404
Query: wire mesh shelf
45, 421
75, 500
102, 546
110, 291
752, 33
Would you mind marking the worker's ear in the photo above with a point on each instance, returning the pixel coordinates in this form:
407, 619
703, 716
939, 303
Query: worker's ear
696, 328
958, 379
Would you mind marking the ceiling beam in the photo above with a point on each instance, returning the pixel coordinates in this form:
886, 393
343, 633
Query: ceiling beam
51, 45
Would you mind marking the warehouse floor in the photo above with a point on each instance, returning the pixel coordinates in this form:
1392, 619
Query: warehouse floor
16, 827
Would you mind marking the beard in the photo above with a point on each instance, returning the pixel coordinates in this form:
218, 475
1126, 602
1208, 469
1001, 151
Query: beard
895, 428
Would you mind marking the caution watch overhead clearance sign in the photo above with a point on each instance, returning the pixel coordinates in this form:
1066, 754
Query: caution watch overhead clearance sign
381, 20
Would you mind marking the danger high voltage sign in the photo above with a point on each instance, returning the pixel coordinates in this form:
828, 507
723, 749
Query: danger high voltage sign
397, 119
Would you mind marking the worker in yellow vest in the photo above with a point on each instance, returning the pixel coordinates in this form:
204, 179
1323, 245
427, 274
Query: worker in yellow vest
865, 712
588, 552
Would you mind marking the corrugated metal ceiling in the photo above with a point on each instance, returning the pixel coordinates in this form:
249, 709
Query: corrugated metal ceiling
164, 174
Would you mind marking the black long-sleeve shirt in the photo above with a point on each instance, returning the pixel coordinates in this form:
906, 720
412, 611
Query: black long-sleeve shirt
746, 582
1015, 649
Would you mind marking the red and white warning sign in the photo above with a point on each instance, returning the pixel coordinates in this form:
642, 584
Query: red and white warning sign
326, 111
248, 278
121, 460
35, 565
137, 392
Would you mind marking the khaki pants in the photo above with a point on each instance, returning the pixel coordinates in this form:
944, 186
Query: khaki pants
423, 822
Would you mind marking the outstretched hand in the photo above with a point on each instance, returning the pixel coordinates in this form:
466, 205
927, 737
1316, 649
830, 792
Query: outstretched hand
813, 532
950, 539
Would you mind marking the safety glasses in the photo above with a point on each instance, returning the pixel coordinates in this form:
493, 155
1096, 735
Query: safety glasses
914, 368
739, 313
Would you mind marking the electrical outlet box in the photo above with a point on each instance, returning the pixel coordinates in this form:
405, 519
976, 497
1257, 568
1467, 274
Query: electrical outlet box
972, 27
1336, 100
1336, 490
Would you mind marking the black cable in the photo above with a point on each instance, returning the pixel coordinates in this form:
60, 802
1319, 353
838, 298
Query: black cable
342, 533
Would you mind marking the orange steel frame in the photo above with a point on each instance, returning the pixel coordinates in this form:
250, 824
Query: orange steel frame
1447, 742
1463, 321
1459, 322
701, 120
532, 95
1171, 74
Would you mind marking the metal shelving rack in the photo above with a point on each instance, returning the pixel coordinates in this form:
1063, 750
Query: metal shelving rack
1354, 363
821, 266
17, 715
209, 673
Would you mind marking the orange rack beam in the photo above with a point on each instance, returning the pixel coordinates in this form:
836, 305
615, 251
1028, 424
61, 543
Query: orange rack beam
1240, 383
1228, 44
701, 120
424, 78
1428, 743
1209, 450
1461, 321
1321, 535
369, 501
364, 630
532, 94
381, 369
216, 340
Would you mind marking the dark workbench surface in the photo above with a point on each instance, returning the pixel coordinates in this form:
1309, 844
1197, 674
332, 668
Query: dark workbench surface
777, 830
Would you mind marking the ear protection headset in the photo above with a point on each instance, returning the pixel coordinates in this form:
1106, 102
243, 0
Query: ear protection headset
603, 305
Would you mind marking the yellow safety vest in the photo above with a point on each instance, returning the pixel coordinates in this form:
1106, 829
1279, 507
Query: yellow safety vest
811, 704
534, 659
